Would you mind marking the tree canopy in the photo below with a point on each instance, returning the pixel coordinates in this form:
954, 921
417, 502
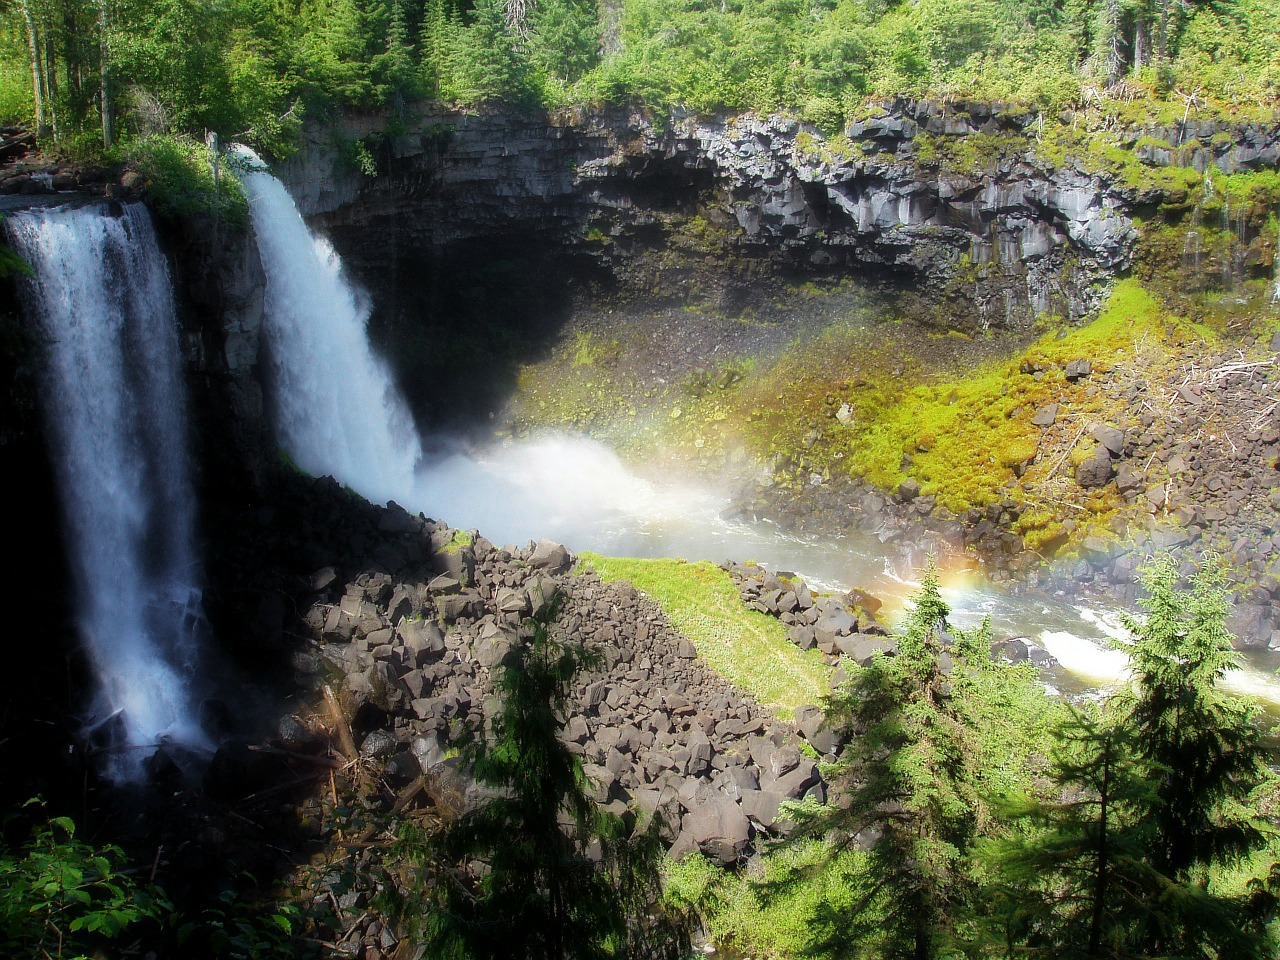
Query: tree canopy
89, 71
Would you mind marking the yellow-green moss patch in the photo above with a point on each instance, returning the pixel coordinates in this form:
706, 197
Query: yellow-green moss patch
749, 649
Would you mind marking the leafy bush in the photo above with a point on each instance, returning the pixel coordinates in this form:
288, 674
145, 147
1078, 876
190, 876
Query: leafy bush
180, 180
62, 898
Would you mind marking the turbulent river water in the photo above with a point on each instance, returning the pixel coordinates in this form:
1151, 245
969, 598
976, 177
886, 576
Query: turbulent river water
337, 411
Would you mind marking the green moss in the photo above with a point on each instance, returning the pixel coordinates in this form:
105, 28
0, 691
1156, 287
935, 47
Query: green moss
749, 649
968, 155
962, 439
1096, 152
460, 541
589, 350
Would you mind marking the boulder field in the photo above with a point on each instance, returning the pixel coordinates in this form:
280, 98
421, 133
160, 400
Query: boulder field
408, 623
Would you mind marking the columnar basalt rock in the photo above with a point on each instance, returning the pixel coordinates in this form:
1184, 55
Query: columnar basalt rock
990, 240
414, 652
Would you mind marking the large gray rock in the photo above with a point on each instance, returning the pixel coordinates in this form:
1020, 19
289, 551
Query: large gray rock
550, 556
1112, 438
837, 621
719, 829
423, 641
492, 643
1095, 471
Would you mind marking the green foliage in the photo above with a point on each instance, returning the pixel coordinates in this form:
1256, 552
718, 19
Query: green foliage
62, 898
1076, 881
247, 68
910, 777
1201, 746
487, 65
10, 262
179, 175
1154, 796
784, 905
245, 929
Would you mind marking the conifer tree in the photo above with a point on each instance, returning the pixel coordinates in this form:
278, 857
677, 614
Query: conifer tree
908, 779
539, 892
489, 66
1152, 797
1079, 885
398, 59
1201, 747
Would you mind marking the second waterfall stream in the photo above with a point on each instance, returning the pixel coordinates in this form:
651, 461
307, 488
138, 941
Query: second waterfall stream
335, 407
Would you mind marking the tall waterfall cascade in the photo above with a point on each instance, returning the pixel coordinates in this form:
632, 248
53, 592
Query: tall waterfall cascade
114, 401
336, 409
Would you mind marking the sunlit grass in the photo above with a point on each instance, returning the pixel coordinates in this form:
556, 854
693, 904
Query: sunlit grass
747, 648
784, 905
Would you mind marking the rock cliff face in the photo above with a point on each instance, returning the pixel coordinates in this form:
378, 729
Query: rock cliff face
475, 232
988, 242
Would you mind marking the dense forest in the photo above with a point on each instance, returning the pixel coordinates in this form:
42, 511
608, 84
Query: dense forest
94, 72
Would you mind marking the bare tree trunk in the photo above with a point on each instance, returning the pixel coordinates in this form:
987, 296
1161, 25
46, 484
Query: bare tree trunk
1101, 865
37, 69
107, 104
51, 82
1141, 44
1162, 31
1115, 33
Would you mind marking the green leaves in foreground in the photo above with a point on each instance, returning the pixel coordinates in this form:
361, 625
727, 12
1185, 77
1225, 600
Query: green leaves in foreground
60, 897
535, 869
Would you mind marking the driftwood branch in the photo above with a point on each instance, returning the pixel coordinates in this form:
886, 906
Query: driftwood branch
346, 742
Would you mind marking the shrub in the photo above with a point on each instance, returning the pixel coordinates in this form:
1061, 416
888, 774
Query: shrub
60, 897
180, 180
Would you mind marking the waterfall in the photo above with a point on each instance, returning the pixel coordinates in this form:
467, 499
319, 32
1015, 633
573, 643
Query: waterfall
1275, 269
335, 407
116, 412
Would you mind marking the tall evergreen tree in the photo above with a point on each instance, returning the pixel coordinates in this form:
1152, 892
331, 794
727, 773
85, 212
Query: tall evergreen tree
489, 66
1201, 747
908, 780
538, 871
397, 61
1079, 884
1151, 796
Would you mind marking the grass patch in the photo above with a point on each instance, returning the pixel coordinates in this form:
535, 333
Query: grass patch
747, 648
785, 905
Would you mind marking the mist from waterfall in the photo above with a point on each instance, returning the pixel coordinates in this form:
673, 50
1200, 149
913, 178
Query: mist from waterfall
337, 411
114, 400
335, 407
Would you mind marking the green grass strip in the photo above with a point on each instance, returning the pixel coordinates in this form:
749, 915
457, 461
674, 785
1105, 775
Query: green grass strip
749, 649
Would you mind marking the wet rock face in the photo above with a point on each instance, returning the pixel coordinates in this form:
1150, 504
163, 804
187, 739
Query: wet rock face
959, 235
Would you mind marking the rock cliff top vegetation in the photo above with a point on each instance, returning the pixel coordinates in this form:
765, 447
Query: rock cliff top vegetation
89, 73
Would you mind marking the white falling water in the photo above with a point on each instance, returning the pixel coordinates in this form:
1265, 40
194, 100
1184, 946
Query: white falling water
116, 411
1275, 283
335, 407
